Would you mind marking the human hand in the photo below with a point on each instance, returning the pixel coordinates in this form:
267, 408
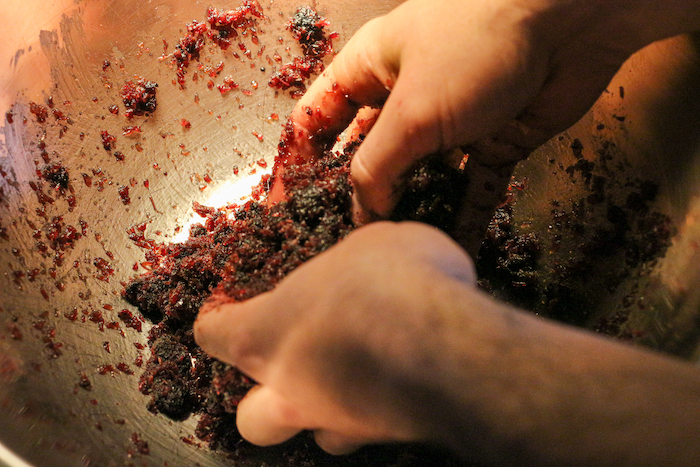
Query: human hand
397, 344
495, 78
347, 357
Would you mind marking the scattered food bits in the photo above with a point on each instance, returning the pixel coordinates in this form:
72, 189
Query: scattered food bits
141, 445
39, 111
104, 269
124, 194
308, 28
227, 85
124, 368
15, 332
129, 320
84, 382
139, 97
131, 130
57, 175
109, 142
296, 73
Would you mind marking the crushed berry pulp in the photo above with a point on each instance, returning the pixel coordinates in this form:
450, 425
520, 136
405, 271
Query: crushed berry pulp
237, 253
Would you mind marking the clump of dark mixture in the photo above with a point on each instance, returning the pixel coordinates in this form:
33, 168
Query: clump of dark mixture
224, 23
139, 97
239, 252
57, 175
188, 48
308, 28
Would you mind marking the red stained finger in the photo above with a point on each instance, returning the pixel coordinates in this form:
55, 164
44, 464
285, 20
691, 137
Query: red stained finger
359, 75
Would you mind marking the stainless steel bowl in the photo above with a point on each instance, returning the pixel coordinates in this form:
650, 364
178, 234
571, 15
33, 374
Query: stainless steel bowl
51, 334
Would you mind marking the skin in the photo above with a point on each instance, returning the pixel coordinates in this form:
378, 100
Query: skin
531, 69
398, 344
397, 347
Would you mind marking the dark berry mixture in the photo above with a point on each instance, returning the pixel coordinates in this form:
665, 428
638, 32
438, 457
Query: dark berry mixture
57, 175
308, 28
225, 23
238, 252
295, 73
188, 48
139, 97
235, 254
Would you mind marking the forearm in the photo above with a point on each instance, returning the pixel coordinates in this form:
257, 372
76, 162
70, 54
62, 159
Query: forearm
521, 390
626, 25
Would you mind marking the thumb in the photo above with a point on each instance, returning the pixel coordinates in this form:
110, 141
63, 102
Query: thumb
265, 418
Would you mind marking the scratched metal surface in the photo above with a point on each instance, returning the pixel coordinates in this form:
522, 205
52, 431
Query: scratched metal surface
59, 49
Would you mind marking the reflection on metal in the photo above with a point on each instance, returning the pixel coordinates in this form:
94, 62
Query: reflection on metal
10, 459
236, 192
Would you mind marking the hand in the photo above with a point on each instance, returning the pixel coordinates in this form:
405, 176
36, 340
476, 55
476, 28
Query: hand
495, 77
341, 344
384, 337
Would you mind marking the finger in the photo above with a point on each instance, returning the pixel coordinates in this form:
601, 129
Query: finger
361, 74
234, 333
335, 443
406, 131
362, 124
265, 418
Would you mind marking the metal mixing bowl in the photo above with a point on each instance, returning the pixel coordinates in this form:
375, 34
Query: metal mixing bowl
59, 51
